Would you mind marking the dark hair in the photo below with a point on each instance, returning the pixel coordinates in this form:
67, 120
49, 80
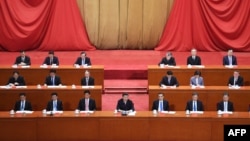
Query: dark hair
52, 70
53, 94
169, 72
22, 94
86, 91
22, 51
195, 94
169, 53
124, 94
161, 94
51, 52
83, 52
15, 72
197, 72
225, 94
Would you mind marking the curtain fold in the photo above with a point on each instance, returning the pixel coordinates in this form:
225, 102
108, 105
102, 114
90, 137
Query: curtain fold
42, 25
207, 25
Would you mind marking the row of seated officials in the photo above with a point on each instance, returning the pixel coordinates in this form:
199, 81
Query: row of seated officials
193, 59
87, 80
123, 104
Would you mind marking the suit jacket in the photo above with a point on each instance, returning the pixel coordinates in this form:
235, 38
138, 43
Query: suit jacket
156, 105
196, 61
226, 60
91, 81
57, 80
173, 81
170, 62
87, 61
239, 82
19, 80
26, 60
193, 81
190, 105
125, 107
92, 105
59, 105
27, 106
230, 106
55, 61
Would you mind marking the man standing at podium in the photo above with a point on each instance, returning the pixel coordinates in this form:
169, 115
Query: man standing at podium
125, 104
225, 105
23, 60
193, 59
22, 104
87, 103
194, 104
87, 80
54, 104
53, 79
160, 104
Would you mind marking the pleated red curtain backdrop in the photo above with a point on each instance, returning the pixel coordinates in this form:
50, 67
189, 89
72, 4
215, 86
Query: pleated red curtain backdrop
42, 25
207, 25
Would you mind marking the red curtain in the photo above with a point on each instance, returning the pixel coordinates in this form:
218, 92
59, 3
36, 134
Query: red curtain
207, 25
42, 25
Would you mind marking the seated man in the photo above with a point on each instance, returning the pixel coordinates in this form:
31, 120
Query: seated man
225, 105
83, 59
125, 104
168, 60
169, 80
53, 79
87, 103
54, 104
193, 59
196, 80
51, 59
22, 60
236, 80
229, 59
87, 80
22, 104
16, 80
160, 104
194, 104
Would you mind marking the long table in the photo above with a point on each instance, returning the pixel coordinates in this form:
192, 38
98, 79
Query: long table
69, 74
39, 97
210, 96
107, 126
213, 75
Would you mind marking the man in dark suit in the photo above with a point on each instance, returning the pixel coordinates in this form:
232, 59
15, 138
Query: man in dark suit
86, 103
83, 59
22, 104
230, 59
16, 80
193, 59
54, 104
87, 80
236, 80
125, 104
53, 79
194, 104
22, 60
160, 104
225, 104
168, 60
51, 59
169, 80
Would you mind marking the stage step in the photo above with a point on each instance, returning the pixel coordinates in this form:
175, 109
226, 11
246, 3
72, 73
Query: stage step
129, 86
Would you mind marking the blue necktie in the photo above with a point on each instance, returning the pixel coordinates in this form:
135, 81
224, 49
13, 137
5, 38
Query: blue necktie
161, 105
22, 105
54, 106
52, 81
195, 106
83, 61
